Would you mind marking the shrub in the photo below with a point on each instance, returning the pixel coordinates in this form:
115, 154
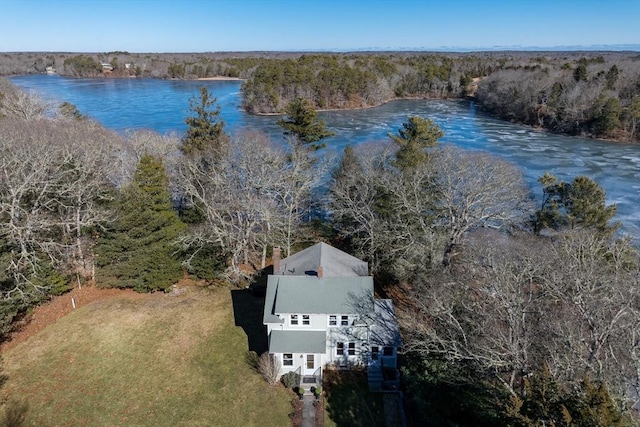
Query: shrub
290, 379
269, 368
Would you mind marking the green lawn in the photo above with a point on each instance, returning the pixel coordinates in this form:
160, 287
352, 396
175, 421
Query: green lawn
156, 360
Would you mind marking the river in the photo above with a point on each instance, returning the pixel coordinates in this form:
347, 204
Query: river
162, 105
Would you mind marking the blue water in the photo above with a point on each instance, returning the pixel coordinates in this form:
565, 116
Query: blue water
162, 105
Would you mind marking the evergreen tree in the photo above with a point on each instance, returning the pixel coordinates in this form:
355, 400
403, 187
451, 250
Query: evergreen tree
302, 121
606, 116
136, 250
543, 403
205, 128
579, 204
593, 406
70, 111
612, 77
415, 135
580, 73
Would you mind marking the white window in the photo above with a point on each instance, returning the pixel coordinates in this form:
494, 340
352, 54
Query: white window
294, 319
344, 321
333, 320
287, 359
305, 320
352, 349
340, 348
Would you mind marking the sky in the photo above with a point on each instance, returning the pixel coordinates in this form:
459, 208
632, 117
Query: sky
314, 25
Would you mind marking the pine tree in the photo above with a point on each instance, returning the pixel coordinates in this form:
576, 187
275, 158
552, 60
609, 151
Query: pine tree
205, 128
302, 121
580, 73
593, 406
415, 135
136, 251
579, 204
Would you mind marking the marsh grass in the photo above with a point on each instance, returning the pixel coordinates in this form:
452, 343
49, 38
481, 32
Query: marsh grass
155, 360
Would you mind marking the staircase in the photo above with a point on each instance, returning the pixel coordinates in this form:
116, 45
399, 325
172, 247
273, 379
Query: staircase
374, 374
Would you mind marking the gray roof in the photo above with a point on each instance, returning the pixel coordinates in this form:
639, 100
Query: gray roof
313, 295
334, 262
298, 342
269, 303
384, 325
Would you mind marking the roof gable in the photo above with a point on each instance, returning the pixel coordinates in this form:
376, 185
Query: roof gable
334, 263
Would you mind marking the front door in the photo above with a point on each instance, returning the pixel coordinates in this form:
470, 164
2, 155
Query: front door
309, 364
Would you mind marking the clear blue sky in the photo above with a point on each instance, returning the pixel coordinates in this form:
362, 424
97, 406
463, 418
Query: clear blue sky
275, 25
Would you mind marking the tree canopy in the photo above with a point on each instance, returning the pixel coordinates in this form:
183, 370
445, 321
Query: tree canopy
578, 204
136, 250
415, 135
205, 128
302, 121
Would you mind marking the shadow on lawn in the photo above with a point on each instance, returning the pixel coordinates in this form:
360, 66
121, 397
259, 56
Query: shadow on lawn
349, 402
248, 307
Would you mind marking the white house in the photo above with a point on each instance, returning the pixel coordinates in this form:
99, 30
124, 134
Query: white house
320, 310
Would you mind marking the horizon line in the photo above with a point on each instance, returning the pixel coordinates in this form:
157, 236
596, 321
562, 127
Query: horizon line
618, 47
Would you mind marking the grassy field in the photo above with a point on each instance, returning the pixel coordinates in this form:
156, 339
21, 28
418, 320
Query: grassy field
152, 360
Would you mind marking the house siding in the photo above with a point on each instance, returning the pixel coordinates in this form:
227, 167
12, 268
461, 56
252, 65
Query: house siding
338, 296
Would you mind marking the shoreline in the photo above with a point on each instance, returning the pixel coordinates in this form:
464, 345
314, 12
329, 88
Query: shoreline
468, 97
219, 78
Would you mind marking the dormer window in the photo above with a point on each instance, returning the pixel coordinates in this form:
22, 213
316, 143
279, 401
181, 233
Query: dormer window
344, 321
333, 320
305, 320
294, 319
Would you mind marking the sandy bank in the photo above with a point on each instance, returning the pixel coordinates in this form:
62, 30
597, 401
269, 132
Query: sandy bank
220, 78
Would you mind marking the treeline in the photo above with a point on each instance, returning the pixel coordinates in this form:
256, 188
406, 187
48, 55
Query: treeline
593, 94
527, 314
126, 64
358, 81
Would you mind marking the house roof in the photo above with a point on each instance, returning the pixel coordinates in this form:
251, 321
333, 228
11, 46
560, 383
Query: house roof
334, 263
313, 295
384, 324
297, 342
269, 315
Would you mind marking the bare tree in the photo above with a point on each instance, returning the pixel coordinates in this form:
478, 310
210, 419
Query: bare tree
520, 302
254, 196
15, 103
597, 285
475, 189
54, 181
412, 218
486, 312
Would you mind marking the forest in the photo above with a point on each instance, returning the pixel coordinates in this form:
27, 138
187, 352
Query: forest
512, 312
591, 94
